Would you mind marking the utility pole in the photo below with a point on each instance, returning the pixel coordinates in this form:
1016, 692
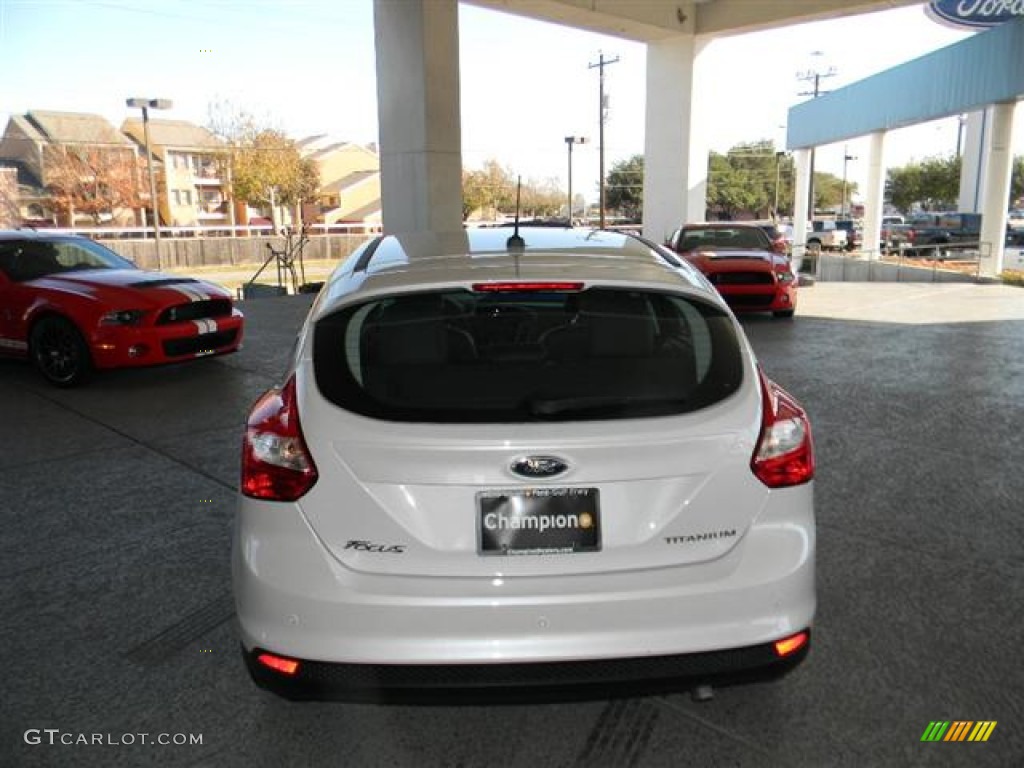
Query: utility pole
602, 114
815, 76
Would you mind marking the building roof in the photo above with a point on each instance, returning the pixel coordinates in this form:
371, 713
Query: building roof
75, 128
340, 185
368, 211
174, 134
310, 142
26, 127
321, 145
323, 151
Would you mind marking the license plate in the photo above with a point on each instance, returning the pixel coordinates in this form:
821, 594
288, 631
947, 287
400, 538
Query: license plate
540, 521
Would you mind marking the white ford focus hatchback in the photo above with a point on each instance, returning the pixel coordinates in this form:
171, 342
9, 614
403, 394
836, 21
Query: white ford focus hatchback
540, 463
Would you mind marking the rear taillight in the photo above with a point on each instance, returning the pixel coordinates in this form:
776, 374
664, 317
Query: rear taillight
281, 664
276, 464
791, 644
784, 455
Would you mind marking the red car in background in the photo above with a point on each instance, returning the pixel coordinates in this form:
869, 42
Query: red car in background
72, 305
751, 271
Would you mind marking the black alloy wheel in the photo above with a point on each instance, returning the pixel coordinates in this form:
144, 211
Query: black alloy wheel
59, 352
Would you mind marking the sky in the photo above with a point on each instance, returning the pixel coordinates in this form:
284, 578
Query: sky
307, 66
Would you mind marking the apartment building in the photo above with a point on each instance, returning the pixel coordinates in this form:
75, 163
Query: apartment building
349, 182
72, 168
192, 183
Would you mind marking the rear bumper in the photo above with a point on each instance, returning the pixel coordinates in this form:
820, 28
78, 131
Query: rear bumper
435, 683
689, 622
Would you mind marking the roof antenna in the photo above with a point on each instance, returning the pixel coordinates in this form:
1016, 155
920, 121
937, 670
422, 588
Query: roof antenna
515, 241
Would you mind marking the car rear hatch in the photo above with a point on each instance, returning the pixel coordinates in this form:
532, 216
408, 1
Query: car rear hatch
529, 430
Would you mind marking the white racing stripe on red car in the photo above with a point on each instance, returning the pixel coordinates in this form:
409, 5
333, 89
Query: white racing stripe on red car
205, 326
189, 293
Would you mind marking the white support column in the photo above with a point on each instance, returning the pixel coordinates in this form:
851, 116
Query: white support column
417, 45
675, 146
802, 161
973, 161
999, 146
874, 198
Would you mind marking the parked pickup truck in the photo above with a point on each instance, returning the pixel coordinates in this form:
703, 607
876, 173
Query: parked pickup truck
928, 234
824, 235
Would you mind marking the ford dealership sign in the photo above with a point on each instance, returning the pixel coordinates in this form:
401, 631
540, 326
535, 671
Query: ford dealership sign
975, 14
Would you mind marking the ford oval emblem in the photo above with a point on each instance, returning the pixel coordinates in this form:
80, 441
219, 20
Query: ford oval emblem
974, 14
538, 466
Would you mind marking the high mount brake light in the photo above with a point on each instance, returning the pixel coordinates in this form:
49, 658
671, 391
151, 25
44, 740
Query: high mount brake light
276, 464
784, 455
525, 287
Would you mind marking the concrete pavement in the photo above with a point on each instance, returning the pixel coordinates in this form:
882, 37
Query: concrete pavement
117, 502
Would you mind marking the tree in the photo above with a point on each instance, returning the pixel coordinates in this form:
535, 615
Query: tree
624, 187
902, 187
10, 212
750, 178
828, 191
933, 184
475, 193
266, 167
269, 168
729, 191
940, 182
1017, 180
541, 198
491, 188
96, 181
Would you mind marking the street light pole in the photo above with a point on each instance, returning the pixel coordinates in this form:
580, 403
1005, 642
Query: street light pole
846, 158
778, 162
961, 121
145, 104
569, 141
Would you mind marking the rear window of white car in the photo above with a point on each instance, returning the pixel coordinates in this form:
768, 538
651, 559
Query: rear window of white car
518, 356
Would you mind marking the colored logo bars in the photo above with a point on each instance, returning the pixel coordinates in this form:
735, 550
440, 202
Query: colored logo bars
958, 730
